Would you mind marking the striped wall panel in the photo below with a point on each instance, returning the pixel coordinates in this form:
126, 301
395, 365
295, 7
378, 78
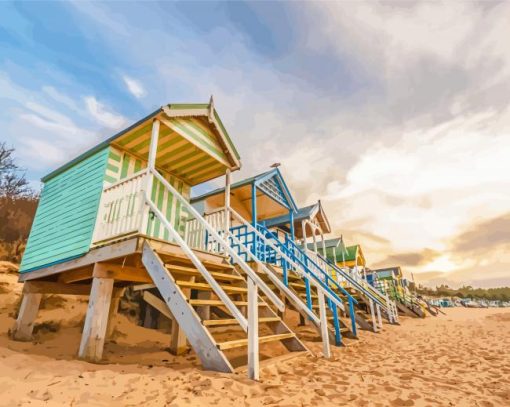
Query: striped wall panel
122, 164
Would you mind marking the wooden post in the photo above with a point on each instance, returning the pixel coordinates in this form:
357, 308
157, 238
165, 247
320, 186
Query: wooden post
96, 320
227, 202
24, 325
178, 337
114, 307
372, 314
253, 331
151, 165
379, 318
324, 323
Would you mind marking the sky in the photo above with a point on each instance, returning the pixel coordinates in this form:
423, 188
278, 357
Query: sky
395, 114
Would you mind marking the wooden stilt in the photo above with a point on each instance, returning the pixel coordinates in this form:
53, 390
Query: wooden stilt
324, 324
204, 311
96, 320
24, 325
178, 337
112, 314
253, 331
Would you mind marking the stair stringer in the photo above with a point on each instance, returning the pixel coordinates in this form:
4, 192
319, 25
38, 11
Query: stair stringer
199, 337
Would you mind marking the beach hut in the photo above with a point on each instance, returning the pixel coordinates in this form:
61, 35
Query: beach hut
116, 216
391, 281
251, 203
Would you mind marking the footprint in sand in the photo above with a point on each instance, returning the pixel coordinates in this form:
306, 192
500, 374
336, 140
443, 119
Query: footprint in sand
401, 402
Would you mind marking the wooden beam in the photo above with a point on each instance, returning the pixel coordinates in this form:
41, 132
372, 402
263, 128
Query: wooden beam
105, 253
73, 276
47, 287
24, 325
160, 305
96, 320
121, 273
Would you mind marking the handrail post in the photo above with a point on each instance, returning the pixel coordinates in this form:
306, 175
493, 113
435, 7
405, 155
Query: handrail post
324, 324
253, 331
353, 317
151, 165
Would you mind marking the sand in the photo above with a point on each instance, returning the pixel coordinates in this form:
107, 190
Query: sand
458, 359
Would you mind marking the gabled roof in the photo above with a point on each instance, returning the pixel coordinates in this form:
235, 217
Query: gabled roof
271, 183
306, 213
203, 111
330, 243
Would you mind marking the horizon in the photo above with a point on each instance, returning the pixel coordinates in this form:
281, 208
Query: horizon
391, 113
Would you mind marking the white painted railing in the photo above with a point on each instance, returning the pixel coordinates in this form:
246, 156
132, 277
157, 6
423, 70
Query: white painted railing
121, 208
196, 236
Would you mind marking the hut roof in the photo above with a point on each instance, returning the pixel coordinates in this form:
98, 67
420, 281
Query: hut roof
190, 120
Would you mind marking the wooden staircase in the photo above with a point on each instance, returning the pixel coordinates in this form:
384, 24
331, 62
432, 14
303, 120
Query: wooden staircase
298, 286
202, 318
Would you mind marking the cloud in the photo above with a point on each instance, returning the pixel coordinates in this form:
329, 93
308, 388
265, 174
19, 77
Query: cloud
103, 115
134, 86
484, 236
426, 256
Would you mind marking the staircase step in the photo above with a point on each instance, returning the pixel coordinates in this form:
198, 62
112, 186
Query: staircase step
191, 271
207, 287
198, 302
238, 343
223, 322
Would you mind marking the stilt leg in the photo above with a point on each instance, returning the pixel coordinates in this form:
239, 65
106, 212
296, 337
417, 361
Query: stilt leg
112, 314
372, 314
24, 325
178, 337
96, 321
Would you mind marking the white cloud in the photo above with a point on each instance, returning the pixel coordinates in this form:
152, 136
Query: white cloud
103, 115
134, 86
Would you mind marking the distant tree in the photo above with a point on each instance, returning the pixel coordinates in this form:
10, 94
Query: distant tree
18, 203
13, 183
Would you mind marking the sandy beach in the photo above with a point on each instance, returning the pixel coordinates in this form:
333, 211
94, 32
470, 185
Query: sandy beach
458, 359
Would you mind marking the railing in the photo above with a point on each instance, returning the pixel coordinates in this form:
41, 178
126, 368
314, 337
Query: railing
197, 237
121, 208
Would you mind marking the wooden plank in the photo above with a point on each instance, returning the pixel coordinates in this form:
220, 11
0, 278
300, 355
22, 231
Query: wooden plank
173, 250
238, 343
24, 325
47, 287
105, 253
122, 273
198, 336
96, 320
190, 271
204, 286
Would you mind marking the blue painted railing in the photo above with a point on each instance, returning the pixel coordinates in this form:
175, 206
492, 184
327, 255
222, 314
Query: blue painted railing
289, 250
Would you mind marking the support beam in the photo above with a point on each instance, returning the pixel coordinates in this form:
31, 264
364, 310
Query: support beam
253, 331
24, 325
96, 320
379, 317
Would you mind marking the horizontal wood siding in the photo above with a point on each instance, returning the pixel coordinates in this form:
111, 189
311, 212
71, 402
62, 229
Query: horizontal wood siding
122, 164
66, 214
